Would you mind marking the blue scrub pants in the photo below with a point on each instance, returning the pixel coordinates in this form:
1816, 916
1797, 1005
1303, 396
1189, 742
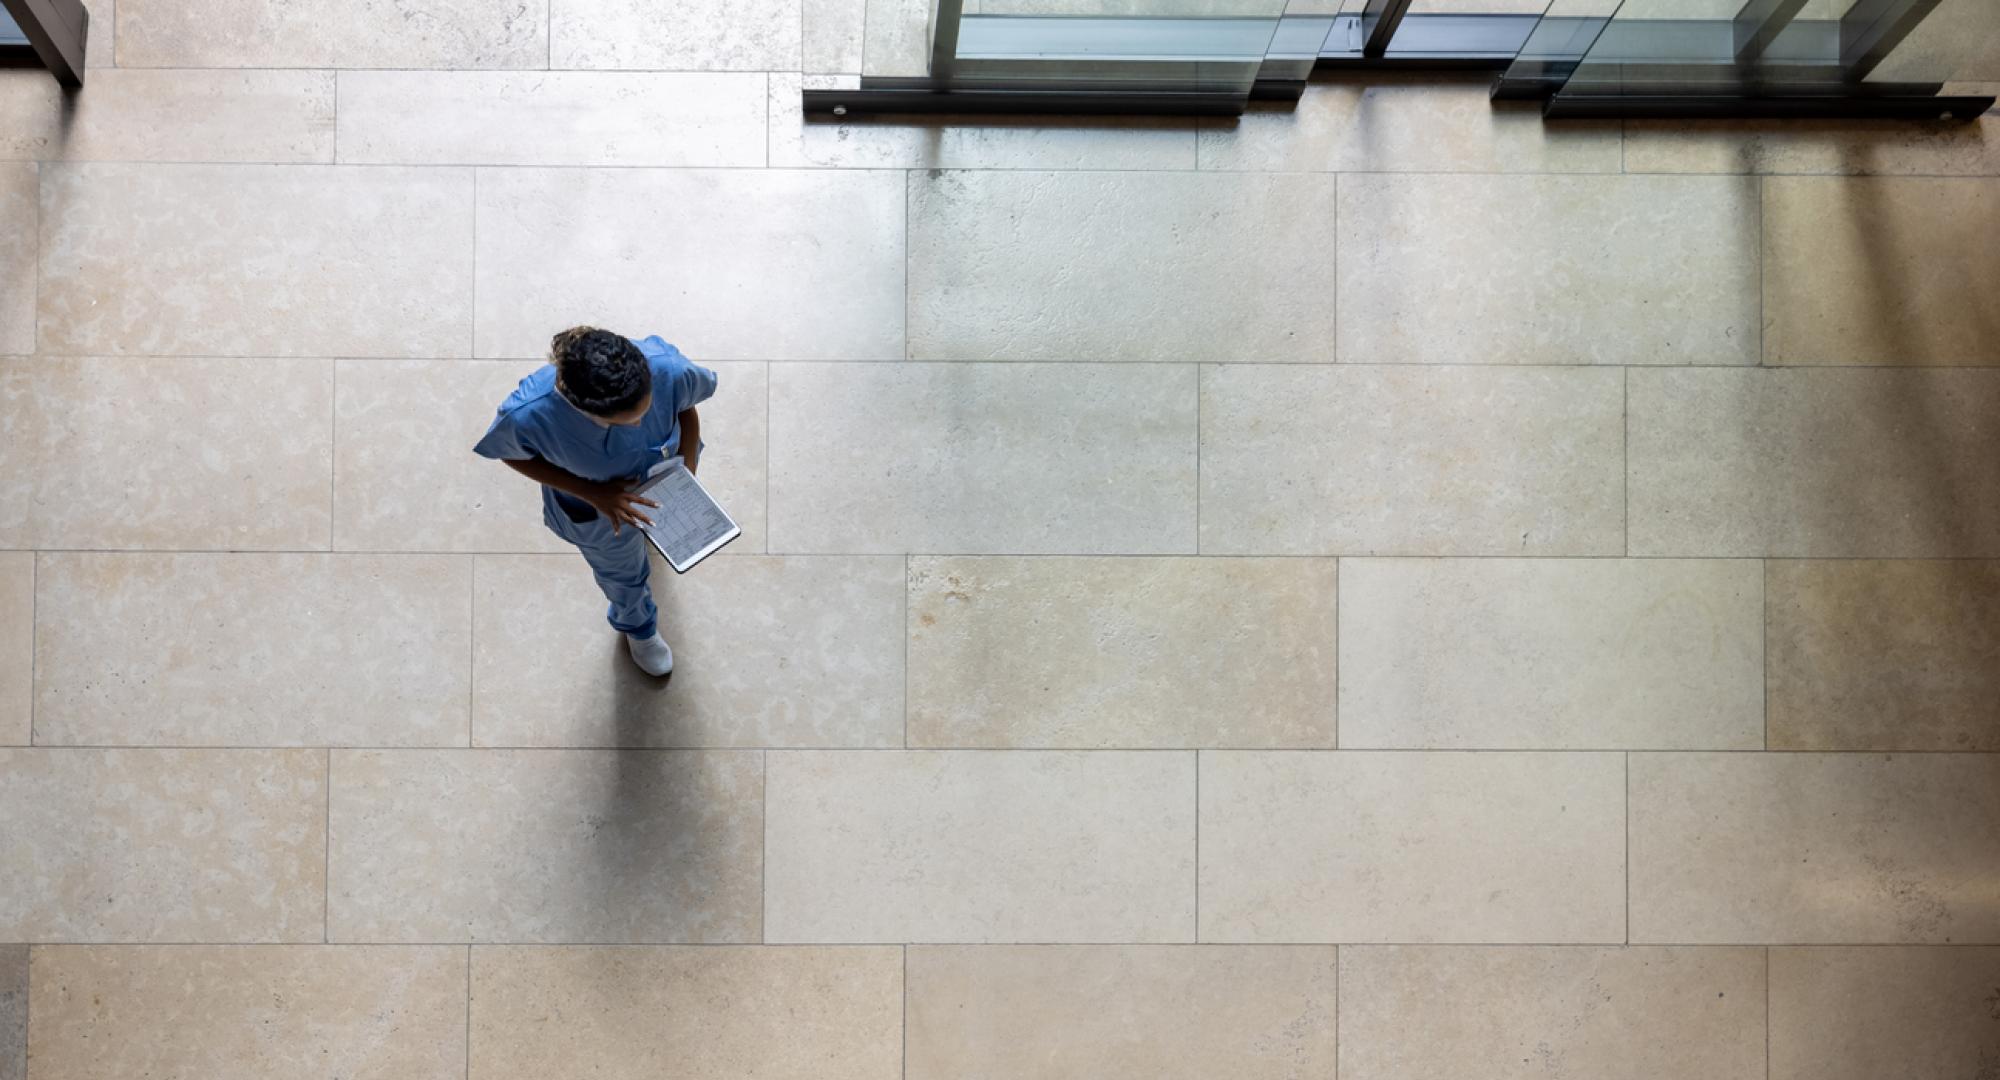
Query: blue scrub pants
619, 561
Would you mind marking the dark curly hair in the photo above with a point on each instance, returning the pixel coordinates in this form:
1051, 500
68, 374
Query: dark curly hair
600, 372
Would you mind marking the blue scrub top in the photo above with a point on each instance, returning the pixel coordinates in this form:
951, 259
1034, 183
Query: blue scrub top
536, 421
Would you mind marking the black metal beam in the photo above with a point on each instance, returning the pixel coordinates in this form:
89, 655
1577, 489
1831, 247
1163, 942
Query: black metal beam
1379, 20
1871, 29
1566, 106
875, 100
56, 30
1759, 23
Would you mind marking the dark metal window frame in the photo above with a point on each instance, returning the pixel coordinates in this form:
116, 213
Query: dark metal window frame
52, 36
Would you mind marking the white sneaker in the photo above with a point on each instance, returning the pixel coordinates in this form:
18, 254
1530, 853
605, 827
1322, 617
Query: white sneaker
652, 654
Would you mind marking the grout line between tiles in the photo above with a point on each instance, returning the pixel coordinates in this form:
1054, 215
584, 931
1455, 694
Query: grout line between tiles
34, 637
326, 859
468, 1011
1975, 946
1050, 555
725, 749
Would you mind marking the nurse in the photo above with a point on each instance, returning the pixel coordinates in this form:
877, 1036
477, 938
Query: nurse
603, 413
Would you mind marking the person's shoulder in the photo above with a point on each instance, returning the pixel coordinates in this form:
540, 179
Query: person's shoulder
532, 394
660, 354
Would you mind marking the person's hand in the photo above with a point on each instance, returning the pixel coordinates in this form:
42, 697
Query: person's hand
622, 507
690, 460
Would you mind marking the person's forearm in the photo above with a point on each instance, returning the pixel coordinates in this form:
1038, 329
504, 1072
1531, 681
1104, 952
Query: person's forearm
690, 438
555, 476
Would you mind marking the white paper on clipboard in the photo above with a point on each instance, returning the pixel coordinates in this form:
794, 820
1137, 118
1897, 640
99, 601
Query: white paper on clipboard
688, 525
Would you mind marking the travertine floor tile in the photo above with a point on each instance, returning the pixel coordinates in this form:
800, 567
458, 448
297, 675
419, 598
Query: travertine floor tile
1868, 1013
102, 36
692, 35
406, 479
552, 118
761, 265
1881, 271
1885, 655
1120, 266
235, 1012
980, 846
683, 1013
999, 458
1422, 122
178, 453
794, 651
1139, 653
135, 115
13, 1012
253, 650
834, 34
1815, 848
1406, 847
18, 228
256, 260
545, 846
1814, 463
1548, 270
1546, 654
333, 33
1794, 145
162, 845
1411, 461
1057, 1012
1511, 1013
17, 645
972, 142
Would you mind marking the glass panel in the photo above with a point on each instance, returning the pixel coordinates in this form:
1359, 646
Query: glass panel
1957, 42
10, 31
1168, 45
896, 38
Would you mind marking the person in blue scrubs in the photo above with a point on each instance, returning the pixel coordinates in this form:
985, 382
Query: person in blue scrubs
601, 415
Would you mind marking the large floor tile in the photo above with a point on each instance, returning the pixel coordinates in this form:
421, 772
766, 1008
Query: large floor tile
1510, 1013
13, 1012
980, 846
1120, 266
1408, 847
136, 115
545, 846
1815, 848
102, 35
986, 458
834, 32
253, 650
19, 214
551, 118
179, 453
800, 651
1885, 655
1883, 271
1417, 123
333, 33
256, 260
1138, 653
406, 479
1548, 270
163, 845
690, 35
1411, 461
684, 1013
972, 142
1794, 145
275, 1012
758, 265
1080, 1012
1814, 463
1546, 654
1871, 1013
17, 645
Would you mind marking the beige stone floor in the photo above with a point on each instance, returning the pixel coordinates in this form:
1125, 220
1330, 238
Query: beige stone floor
1393, 590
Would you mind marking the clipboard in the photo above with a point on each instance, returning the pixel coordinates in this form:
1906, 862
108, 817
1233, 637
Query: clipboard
688, 525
